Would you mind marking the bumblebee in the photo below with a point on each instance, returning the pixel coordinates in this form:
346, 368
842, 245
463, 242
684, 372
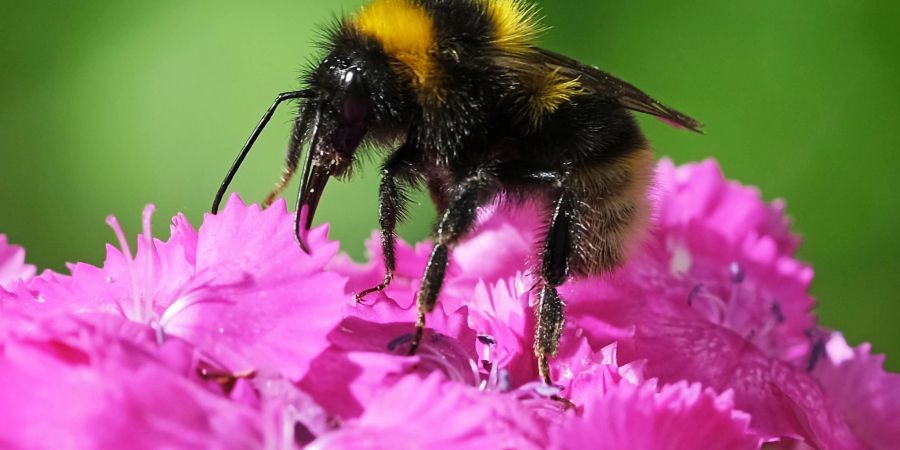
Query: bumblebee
474, 110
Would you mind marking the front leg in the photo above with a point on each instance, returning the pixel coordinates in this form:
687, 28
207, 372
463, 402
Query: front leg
396, 173
454, 222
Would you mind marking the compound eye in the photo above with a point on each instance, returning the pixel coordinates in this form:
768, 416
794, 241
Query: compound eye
355, 107
354, 110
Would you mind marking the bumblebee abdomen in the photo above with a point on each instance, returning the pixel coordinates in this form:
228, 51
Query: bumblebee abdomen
608, 167
613, 211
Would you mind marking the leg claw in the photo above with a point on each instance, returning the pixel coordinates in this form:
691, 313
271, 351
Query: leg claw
567, 404
378, 288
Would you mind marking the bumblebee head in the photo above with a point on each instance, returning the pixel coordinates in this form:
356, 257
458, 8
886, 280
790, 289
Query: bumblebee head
353, 98
343, 114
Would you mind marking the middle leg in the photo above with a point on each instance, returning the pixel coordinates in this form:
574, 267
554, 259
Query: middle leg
456, 220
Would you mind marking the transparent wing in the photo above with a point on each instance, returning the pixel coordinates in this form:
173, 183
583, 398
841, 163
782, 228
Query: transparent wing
597, 81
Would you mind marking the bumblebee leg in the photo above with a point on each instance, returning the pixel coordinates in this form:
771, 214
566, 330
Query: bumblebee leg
438, 193
554, 270
392, 202
455, 222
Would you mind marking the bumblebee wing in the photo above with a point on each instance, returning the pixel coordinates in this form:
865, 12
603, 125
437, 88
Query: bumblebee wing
597, 81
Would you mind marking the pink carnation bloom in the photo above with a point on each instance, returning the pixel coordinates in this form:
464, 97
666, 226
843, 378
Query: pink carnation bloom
705, 339
715, 295
723, 302
70, 383
240, 288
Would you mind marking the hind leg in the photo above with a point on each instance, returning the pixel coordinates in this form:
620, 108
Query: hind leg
608, 204
554, 271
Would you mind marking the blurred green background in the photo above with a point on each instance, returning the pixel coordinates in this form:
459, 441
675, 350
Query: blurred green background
108, 105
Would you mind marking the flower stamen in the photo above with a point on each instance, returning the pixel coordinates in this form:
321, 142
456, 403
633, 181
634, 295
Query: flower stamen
129, 267
147, 232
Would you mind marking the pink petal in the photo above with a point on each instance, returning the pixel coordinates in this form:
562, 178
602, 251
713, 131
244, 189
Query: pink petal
867, 396
85, 389
12, 264
240, 289
258, 302
436, 414
587, 374
368, 354
782, 400
679, 416
509, 233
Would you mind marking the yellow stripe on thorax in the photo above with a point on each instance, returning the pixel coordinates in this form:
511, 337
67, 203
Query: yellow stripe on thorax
516, 24
548, 91
405, 31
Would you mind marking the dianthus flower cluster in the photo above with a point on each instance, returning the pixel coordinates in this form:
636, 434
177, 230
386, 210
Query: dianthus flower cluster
229, 336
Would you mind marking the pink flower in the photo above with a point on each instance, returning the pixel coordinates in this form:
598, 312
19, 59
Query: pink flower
714, 296
72, 384
735, 254
621, 411
240, 289
12, 264
231, 336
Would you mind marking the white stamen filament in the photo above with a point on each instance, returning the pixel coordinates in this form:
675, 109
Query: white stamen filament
129, 267
149, 299
184, 302
440, 361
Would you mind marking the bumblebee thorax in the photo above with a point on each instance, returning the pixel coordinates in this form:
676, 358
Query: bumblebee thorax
415, 34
